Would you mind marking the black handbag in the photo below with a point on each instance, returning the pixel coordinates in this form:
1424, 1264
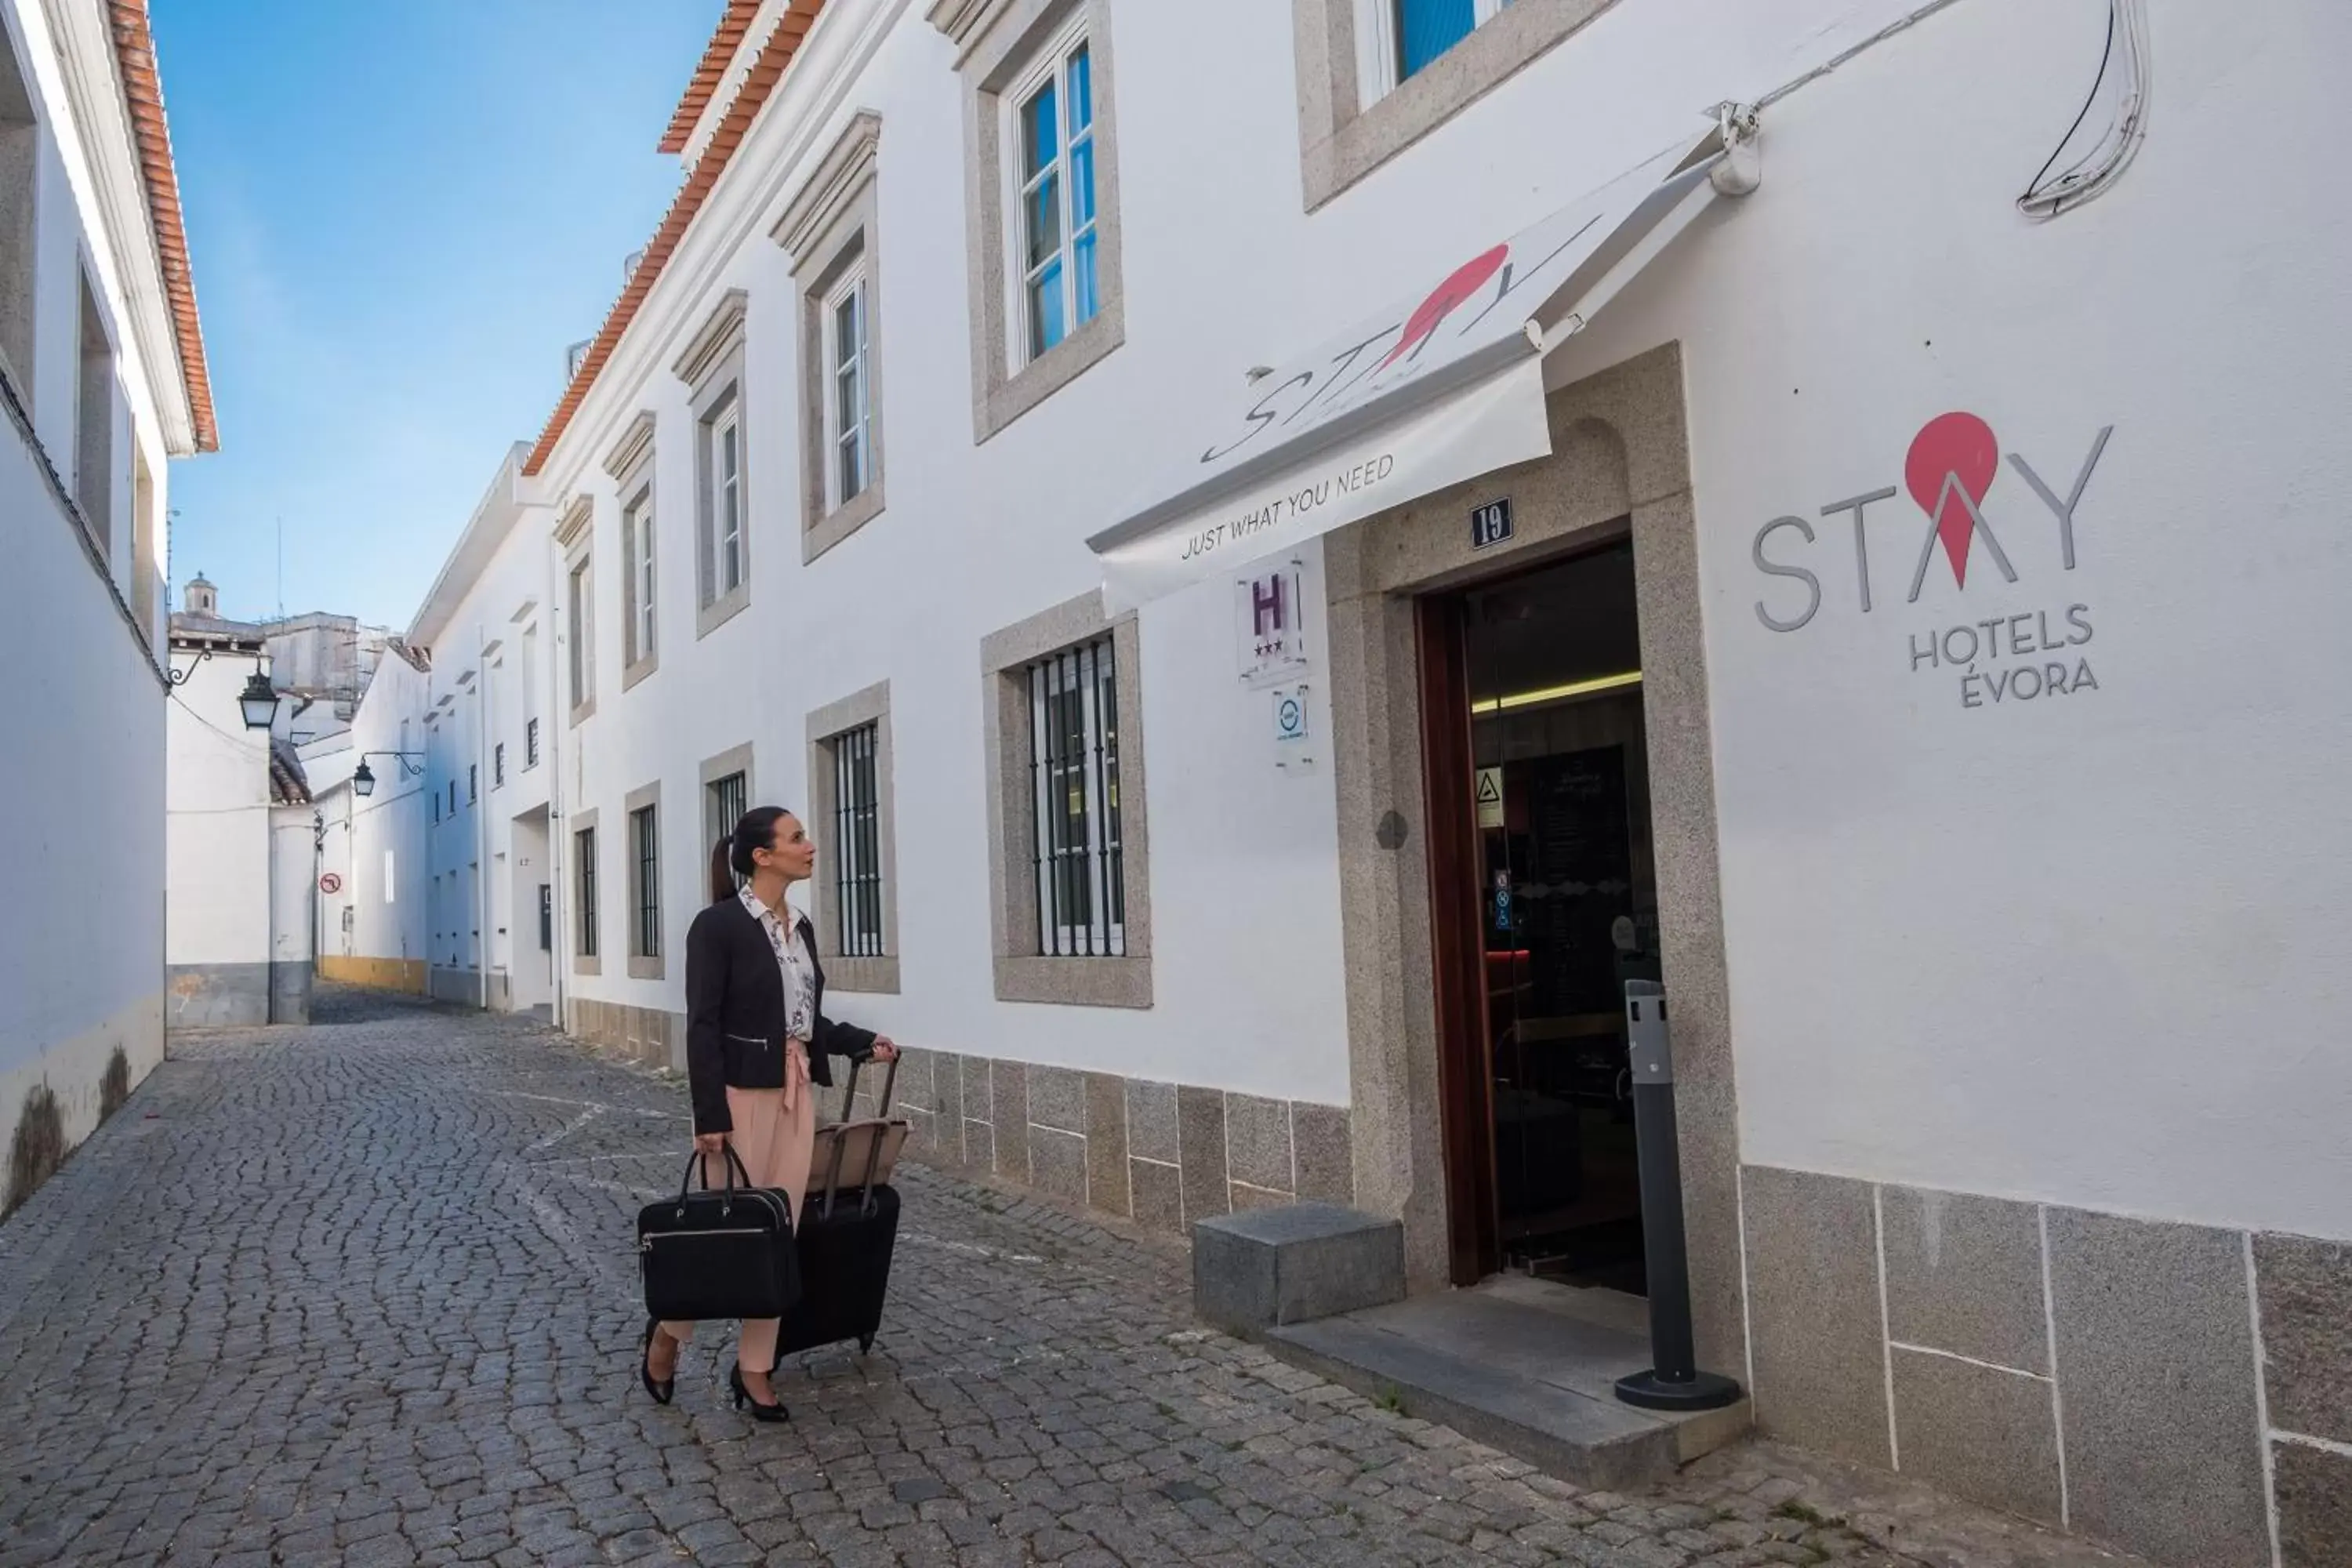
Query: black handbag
725, 1254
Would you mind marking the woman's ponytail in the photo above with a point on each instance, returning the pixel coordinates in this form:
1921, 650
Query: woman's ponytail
722, 874
731, 858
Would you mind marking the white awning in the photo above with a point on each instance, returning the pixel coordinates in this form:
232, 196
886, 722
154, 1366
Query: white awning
1439, 388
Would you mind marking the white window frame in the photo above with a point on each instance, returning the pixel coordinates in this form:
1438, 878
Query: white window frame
639, 541
1051, 67
1379, 44
853, 288
727, 561
1091, 664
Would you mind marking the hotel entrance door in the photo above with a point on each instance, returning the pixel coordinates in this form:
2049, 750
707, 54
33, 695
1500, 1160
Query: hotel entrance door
1544, 853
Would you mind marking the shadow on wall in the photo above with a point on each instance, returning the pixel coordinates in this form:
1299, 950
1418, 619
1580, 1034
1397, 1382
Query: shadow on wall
39, 1146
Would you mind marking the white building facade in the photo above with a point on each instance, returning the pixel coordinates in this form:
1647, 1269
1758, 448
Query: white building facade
1858, 624
101, 382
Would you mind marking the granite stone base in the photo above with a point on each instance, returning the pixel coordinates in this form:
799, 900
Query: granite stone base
1163, 1154
649, 1036
2103, 1374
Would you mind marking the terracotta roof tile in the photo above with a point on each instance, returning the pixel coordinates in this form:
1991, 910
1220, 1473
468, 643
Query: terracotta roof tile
143, 95
715, 58
767, 71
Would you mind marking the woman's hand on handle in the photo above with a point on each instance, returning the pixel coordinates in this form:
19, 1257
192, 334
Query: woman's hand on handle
711, 1144
884, 1048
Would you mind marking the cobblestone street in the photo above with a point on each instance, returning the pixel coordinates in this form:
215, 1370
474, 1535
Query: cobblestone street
365, 1294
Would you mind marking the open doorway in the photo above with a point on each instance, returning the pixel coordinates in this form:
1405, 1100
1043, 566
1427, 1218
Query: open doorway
1541, 846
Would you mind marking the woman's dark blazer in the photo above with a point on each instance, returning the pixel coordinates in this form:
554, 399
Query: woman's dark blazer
735, 1014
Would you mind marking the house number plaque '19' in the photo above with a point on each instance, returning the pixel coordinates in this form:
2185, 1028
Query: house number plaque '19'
1490, 524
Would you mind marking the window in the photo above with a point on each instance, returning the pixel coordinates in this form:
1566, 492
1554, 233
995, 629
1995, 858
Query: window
712, 368
1056, 234
94, 425
849, 409
453, 797
585, 869
498, 765
1073, 763
473, 783
637, 589
1366, 93
1068, 866
856, 846
20, 143
829, 228
726, 498
1042, 184
530, 696
1418, 31
436, 805
645, 848
390, 895
853, 898
582, 649
729, 798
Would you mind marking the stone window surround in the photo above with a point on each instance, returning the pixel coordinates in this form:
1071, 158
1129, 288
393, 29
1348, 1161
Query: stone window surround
1620, 463
996, 43
631, 465
1340, 142
829, 228
736, 760
575, 535
1021, 974
641, 965
578, 823
712, 369
826, 726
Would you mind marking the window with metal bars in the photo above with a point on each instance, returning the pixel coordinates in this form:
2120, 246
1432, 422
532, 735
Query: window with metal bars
497, 764
645, 843
1074, 768
584, 855
729, 799
857, 842
530, 743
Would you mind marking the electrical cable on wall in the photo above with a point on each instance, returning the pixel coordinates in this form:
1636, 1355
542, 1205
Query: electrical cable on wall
2098, 168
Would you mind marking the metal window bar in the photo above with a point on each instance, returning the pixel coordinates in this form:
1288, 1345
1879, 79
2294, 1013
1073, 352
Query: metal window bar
858, 886
1080, 880
586, 838
530, 743
648, 884
728, 802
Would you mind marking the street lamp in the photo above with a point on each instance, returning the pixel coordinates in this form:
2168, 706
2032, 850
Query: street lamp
259, 702
364, 776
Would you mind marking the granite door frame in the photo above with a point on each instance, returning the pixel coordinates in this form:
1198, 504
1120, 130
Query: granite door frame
1620, 467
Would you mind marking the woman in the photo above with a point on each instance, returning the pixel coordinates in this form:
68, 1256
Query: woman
757, 1041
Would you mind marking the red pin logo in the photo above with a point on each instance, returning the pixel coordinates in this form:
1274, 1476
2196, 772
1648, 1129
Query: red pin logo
1443, 300
1952, 451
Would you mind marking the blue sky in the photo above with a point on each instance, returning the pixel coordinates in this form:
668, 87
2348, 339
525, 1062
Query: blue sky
399, 216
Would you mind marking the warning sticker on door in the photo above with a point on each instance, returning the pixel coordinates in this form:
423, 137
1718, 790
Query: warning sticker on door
1490, 797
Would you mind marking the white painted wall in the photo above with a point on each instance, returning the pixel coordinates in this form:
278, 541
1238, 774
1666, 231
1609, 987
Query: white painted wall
377, 845
81, 933
2081, 948
486, 624
217, 864
1985, 949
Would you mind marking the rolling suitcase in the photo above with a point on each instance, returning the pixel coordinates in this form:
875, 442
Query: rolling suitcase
847, 1233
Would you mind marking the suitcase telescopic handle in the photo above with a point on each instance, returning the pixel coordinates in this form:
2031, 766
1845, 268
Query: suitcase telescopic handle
881, 1129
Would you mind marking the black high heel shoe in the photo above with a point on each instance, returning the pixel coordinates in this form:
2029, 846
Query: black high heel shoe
759, 1412
663, 1389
